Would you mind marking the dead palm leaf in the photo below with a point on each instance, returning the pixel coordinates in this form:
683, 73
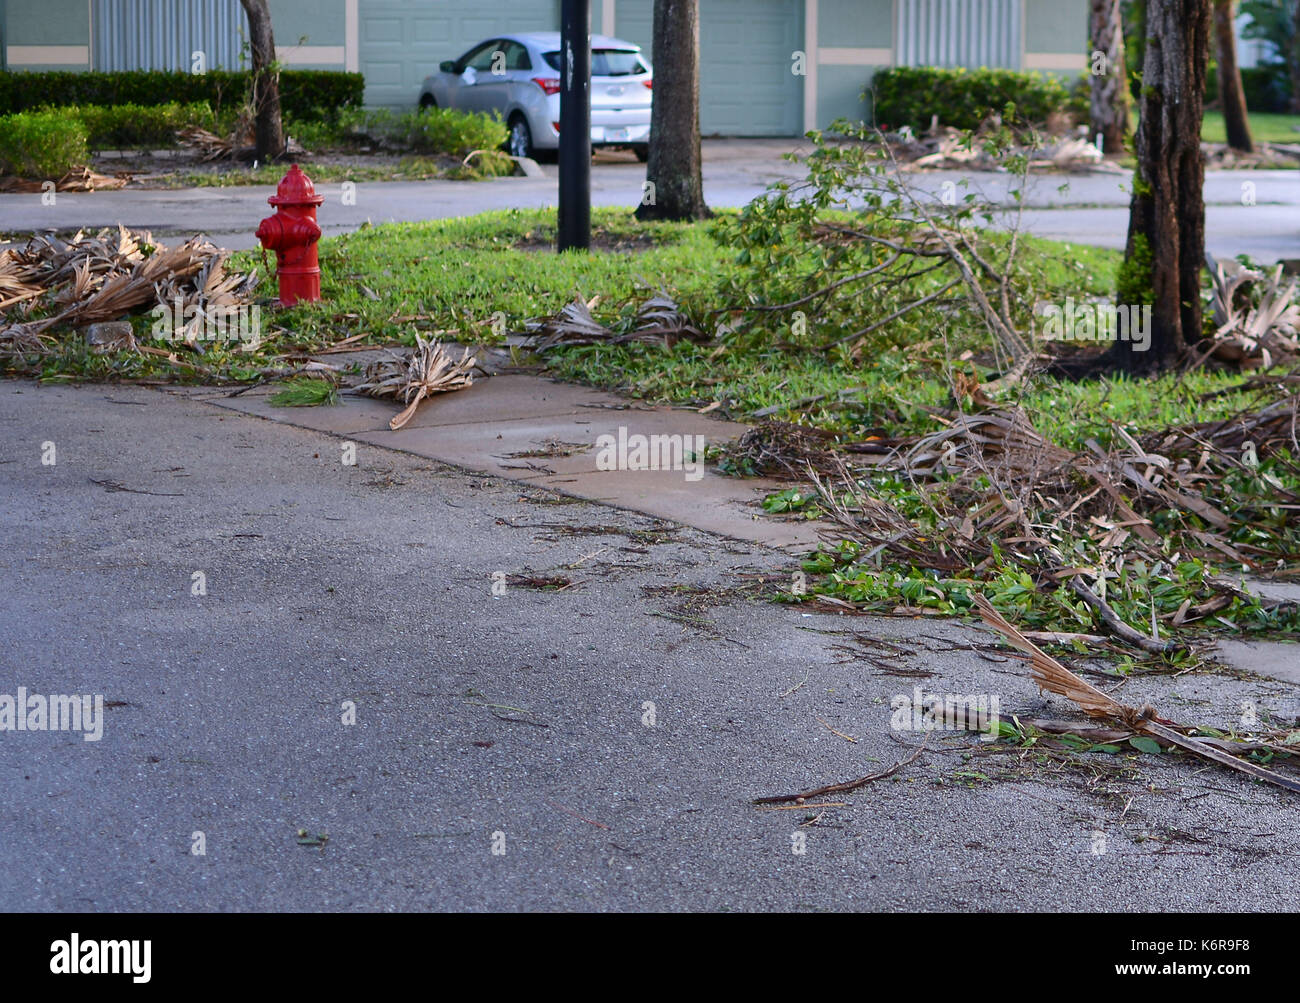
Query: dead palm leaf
1051, 675
428, 370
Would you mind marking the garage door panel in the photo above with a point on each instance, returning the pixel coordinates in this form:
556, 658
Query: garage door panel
401, 43
746, 50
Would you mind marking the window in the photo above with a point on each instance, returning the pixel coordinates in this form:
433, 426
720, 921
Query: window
516, 56
480, 57
608, 63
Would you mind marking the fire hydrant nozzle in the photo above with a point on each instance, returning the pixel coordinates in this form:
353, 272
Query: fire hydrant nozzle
292, 232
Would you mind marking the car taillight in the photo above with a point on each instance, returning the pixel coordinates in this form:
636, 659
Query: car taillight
548, 85
555, 126
648, 84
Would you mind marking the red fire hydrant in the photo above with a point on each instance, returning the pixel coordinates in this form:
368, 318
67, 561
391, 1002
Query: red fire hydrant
292, 233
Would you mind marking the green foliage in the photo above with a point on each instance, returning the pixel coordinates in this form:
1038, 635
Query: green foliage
910, 95
305, 95
1278, 23
305, 391
1267, 88
133, 126
428, 130
41, 144
1133, 284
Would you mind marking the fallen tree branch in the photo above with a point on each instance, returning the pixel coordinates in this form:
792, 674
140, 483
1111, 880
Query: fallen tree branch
1051, 675
844, 788
1121, 629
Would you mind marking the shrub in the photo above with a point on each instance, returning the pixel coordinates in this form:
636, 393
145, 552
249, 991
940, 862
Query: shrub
41, 144
910, 95
1267, 88
305, 95
445, 130
429, 130
133, 126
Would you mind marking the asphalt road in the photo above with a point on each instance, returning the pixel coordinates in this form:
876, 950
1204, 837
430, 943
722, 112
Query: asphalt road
517, 722
1092, 210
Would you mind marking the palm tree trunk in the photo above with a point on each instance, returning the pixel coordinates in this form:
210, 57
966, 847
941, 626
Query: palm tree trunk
1109, 83
1166, 231
1231, 94
266, 81
674, 180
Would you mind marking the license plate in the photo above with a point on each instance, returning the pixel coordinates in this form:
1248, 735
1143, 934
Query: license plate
615, 135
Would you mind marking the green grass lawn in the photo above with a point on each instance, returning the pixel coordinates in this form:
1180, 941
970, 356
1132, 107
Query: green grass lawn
1265, 127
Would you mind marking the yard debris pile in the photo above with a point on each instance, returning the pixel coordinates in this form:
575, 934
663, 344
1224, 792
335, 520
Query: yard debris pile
79, 179
428, 370
239, 144
1256, 316
659, 320
111, 275
993, 490
1222, 157
943, 148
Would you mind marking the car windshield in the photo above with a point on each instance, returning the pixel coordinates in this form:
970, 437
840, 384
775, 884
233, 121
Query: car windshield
607, 62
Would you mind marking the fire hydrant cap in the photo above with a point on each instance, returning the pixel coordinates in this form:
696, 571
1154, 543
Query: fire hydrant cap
295, 188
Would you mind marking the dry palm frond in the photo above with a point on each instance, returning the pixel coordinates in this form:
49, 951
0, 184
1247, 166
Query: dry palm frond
1006, 438
661, 319
573, 325
1252, 332
18, 340
79, 179
1051, 675
428, 370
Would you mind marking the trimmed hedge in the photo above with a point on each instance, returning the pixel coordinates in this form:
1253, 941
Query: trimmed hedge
305, 95
137, 127
428, 130
910, 95
41, 144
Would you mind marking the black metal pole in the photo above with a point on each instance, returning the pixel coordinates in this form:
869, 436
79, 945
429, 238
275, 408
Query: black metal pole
575, 125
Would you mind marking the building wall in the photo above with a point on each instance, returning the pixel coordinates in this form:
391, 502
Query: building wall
50, 35
844, 42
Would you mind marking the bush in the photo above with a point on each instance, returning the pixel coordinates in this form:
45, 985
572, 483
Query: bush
133, 126
41, 144
305, 95
1267, 88
910, 95
429, 130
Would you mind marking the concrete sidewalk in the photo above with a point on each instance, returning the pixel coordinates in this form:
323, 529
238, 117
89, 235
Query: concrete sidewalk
546, 434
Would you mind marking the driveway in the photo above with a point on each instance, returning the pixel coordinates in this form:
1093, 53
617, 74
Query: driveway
1092, 210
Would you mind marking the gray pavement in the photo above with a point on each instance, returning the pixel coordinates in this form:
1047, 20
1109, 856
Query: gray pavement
1091, 210
519, 720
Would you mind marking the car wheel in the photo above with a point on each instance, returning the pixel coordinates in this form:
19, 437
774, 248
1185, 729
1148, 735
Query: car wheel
642, 151
520, 141
427, 101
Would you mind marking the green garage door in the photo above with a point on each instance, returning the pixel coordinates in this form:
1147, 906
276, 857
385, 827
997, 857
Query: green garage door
401, 43
746, 54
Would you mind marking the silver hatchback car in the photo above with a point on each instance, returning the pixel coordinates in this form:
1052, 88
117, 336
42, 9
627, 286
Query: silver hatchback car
518, 76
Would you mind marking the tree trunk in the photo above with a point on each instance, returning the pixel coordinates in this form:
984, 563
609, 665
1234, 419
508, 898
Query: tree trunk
1166, 228
674, 183
1231, 94
269, 128
1109, 84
